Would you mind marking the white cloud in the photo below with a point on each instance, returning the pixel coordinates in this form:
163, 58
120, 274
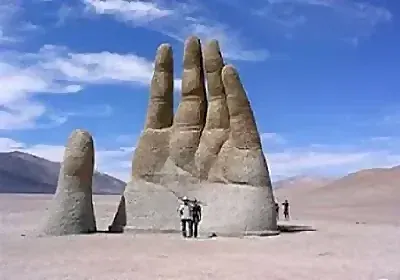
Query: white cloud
102, 67
289, 163
56, 69
7, 11
333, 160
357, 10
381, 139
347, 19
392, 119
230, 41
7, 145
178, 21
116, 162
4, 39
272, 138
126, 138
90, 111
63, 13
20, 115
132, 11
13, 29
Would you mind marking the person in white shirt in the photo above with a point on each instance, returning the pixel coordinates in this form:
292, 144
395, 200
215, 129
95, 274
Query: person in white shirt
185, 212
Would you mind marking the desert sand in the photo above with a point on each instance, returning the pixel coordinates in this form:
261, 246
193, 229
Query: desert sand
357, 247
368, 196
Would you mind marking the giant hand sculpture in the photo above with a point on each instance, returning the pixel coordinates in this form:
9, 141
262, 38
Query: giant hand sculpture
210, 150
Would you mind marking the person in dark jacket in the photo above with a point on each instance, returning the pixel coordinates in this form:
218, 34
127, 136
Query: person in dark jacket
196, 212
277, 210
286, 209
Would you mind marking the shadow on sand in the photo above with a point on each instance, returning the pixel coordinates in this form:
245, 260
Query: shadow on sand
282, 228
294, 228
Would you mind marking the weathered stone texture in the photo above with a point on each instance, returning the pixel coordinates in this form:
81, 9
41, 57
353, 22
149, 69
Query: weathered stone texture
211, 150
217, 113
160, 111
71, 211
190, 116
119, 221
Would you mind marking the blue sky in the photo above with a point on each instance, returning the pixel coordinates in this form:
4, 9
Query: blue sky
320, 75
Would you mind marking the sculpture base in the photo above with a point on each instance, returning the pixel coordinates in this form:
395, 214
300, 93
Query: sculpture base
228, 209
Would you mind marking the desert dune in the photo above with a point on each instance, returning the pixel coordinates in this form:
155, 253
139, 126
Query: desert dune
367, 196
357, 237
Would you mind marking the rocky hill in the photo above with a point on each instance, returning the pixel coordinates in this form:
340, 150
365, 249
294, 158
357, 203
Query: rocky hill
26, 173
368, 195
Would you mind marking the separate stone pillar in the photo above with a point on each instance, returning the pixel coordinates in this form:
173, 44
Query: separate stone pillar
71, 211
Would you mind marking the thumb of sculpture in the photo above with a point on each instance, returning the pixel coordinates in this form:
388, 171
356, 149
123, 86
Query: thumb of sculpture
71, 210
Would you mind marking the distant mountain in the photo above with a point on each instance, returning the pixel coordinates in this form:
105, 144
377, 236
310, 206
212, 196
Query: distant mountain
369, 195
369, 178
365, 187
351, 184
25, 173
302, 182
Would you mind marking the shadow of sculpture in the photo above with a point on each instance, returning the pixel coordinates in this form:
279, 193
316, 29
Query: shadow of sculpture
294, 228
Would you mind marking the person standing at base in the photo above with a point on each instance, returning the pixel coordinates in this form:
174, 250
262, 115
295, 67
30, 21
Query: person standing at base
277, 210
185, 212
286, 209
196, 217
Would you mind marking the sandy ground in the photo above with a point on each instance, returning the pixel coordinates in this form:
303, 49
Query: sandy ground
339, 249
